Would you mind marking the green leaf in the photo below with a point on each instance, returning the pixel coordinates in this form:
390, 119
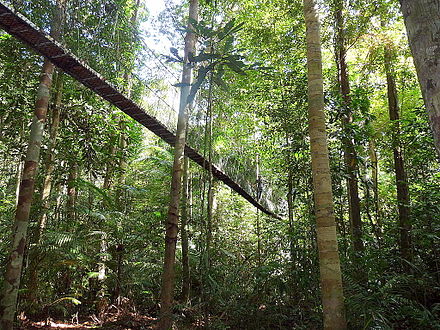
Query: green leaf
203, 57
71, 299
236, 66
92, 274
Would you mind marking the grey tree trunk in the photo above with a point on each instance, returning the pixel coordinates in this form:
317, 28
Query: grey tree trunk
329, 264
422, 20
171, 226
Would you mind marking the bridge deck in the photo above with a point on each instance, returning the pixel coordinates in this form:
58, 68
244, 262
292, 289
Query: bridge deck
24, 30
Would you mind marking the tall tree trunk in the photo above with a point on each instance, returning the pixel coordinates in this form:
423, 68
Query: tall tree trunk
184, 233
208, 148
49, 166
71, 192
290, 201
102, 302
166, 314
374, 177
119, 272
123, 164
350, 154
209, 226
15, 261
258, 211
399, 166
8, 302
330, 270
422, 20
34, 257
211, 192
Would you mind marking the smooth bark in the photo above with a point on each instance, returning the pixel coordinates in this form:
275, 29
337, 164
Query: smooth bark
34, 258
15, 261
11, 285
329, 264
171, 226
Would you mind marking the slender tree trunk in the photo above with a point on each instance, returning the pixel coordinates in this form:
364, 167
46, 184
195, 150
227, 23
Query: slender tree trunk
422, 20
71, 192
102, 302
208, 147
119, 272
49, 166
209, 213
258, 211
202, 235
184, 233
374, 176
399, 165
15, 261
166, 313
290, 201
330, 270
121, 204
211, 192
122, 165
34, 257
8, 302
58, 213
350, 154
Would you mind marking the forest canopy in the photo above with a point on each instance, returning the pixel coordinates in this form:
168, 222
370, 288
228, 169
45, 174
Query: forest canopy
219, 164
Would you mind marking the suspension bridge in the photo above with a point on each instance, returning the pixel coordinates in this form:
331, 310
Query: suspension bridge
17, 25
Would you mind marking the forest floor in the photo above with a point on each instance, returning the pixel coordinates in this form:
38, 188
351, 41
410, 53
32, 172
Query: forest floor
120, 324
122, 315
114, 321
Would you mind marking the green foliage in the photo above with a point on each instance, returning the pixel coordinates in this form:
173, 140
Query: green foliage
251, 61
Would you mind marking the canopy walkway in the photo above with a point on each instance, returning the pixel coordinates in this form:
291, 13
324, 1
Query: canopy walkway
23, 29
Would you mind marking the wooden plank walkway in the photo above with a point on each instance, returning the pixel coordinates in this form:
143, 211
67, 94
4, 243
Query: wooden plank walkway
21, 28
